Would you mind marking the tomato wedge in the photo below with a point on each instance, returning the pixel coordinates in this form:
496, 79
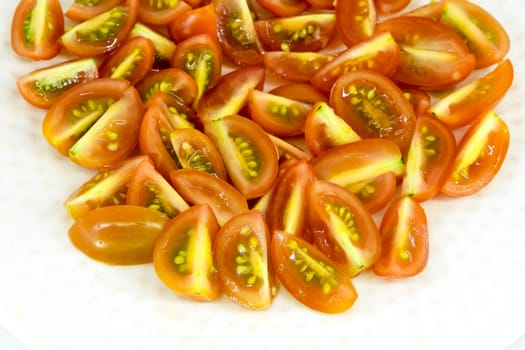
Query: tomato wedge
119, 235
297, 67
480, 155
172, 81
242, 257
200, 20
390, 6
163, 46
183, 257
356, 20
81, 10
284, 8
36, 27
161, 12
299, 91
309, 276
404, 234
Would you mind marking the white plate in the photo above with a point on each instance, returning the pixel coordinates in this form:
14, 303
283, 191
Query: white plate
52, 297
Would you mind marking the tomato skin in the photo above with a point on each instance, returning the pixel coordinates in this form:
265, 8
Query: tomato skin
201, 20
390, 6
299, 91
120, 235
297, 67
42, 43
242, 257
80, 12
132, 61
374, 106
419, 99
355, 20
172, 81
309, 276
161, 16
284, 8
480, 155
182, 256
404, 234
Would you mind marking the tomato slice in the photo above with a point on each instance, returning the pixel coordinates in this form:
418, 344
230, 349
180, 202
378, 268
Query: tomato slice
311, 32
43, 86
465, 104
163, 46
433, 56
404, 234
432, 10
297, 67
236, 32
161, 12
309, 276
480, 155
132, 61
379, 52
249, 154
199, 20
287, 208
172, 81
299, 91
390, 6
482, 33
324, 129
284, 8
355, 20
321, 4
36, 27
102, 33
374, 107
183, 257
148, 188
343, 228
242, 257
419, 99
277, 115
429, 160
289, 151
81, 10
200, 56
107, 187
199, 187
230, 94
120, 235
194, 150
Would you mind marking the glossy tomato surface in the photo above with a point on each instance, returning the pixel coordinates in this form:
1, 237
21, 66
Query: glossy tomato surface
81, 10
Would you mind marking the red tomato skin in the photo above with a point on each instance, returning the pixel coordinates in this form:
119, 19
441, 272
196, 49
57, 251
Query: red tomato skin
200, 20
390, 6
79, 12
177, 83
152, 15
284, 8
355, 20
298, 67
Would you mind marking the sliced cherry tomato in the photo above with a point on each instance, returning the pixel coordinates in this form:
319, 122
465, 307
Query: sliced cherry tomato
43, 86
120, 234
284, 8
342, 226
179, 114
379, 53
288, 150
287, 208
433, 56
299, 91
230, 94
462, 106
102, 33
390, 6
236, 32
200, 56
324, 129
162, 45
429, 160
161, 12
310, 276
481, 153
483, 34
432, 10
321, 4
108, 187
200, 20
356, 20
172, 81
194, 150
148, 188
242, 255
295, 66
277, 115
248, 153
81, 10
183, 257
199, 187
419, 99
404, 234
374, 106
311, 32
132, 61
36, 28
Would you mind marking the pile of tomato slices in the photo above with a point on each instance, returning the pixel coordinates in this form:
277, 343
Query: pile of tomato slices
245, 145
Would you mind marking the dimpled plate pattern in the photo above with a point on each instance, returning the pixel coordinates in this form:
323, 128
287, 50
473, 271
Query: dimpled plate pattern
470, 296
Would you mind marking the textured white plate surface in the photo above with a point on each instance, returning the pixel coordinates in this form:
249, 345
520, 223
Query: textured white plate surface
471, 295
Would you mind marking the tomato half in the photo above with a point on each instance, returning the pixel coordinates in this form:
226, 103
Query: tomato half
310, 276
120, 235
81, 10
43, 86
242, 255
404, 234
356, 20
183, 257
429, 160
200, 20
36, 27
172, 81
284, 8
161, 12
480, 155
132, 61
433, 56
374, 107
248, 153
295, 66
299, 91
